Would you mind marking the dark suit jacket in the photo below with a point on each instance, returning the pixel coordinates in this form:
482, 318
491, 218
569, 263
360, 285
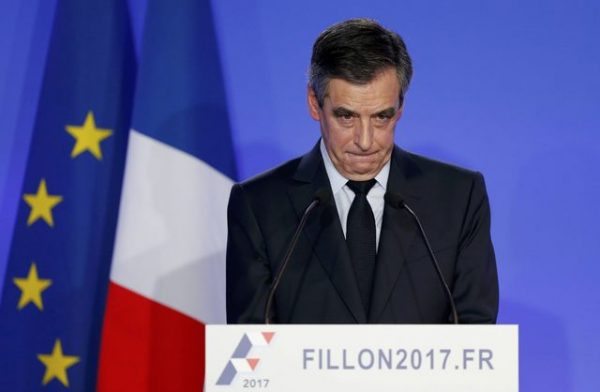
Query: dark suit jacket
320, 286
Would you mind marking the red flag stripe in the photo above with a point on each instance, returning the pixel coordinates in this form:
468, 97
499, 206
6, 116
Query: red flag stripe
147, 346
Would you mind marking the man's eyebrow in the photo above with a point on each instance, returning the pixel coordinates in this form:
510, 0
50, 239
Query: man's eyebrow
341, 111
389, 112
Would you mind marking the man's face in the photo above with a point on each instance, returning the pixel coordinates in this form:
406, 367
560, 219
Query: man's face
357, 123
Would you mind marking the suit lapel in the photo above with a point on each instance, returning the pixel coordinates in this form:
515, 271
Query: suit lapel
398, 232
323, 229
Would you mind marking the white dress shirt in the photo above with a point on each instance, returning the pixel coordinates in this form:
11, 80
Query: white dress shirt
344, 196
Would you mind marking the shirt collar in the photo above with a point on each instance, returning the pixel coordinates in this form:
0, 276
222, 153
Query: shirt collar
338, 181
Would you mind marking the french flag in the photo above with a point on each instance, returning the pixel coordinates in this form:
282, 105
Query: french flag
168, 272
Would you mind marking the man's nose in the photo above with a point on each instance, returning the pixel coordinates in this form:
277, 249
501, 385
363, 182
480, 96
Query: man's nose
363, 137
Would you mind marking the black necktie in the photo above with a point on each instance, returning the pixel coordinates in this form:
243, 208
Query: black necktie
360, 237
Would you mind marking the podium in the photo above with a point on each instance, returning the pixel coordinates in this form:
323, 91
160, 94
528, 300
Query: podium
375, 358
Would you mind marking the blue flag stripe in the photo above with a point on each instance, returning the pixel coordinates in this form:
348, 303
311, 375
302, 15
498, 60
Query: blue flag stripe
180, 99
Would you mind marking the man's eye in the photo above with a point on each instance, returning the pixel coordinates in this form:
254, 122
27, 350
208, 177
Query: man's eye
383, 117
345, 116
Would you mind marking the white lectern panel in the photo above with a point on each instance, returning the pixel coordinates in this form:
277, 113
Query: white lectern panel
378, 358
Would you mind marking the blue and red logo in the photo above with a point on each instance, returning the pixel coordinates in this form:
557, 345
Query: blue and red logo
240, 362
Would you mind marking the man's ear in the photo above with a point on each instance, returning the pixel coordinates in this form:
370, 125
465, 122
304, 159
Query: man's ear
313, 104
400, 111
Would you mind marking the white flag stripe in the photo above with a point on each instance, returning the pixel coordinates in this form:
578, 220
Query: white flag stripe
172, 230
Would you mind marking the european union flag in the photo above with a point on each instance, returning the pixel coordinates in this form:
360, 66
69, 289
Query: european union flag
57, 274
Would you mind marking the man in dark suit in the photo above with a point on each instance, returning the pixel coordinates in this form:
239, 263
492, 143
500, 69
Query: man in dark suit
361, 258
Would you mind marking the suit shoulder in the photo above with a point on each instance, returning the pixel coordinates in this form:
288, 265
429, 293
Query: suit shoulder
271, 180
421, 166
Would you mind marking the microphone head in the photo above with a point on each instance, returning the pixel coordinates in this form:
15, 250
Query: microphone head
394, 199
322, 195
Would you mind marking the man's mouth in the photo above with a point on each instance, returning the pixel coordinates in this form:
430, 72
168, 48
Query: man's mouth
362, 154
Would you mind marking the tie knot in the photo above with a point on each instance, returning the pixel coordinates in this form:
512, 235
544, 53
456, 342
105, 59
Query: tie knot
361, 187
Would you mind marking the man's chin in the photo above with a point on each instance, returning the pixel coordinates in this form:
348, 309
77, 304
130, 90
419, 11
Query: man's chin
362, 173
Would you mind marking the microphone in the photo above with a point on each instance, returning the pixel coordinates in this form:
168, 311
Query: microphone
321, 197
396, 201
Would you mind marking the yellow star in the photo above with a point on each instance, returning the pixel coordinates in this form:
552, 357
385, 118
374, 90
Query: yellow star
31, 288
57, 364
41, 204
88, 137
